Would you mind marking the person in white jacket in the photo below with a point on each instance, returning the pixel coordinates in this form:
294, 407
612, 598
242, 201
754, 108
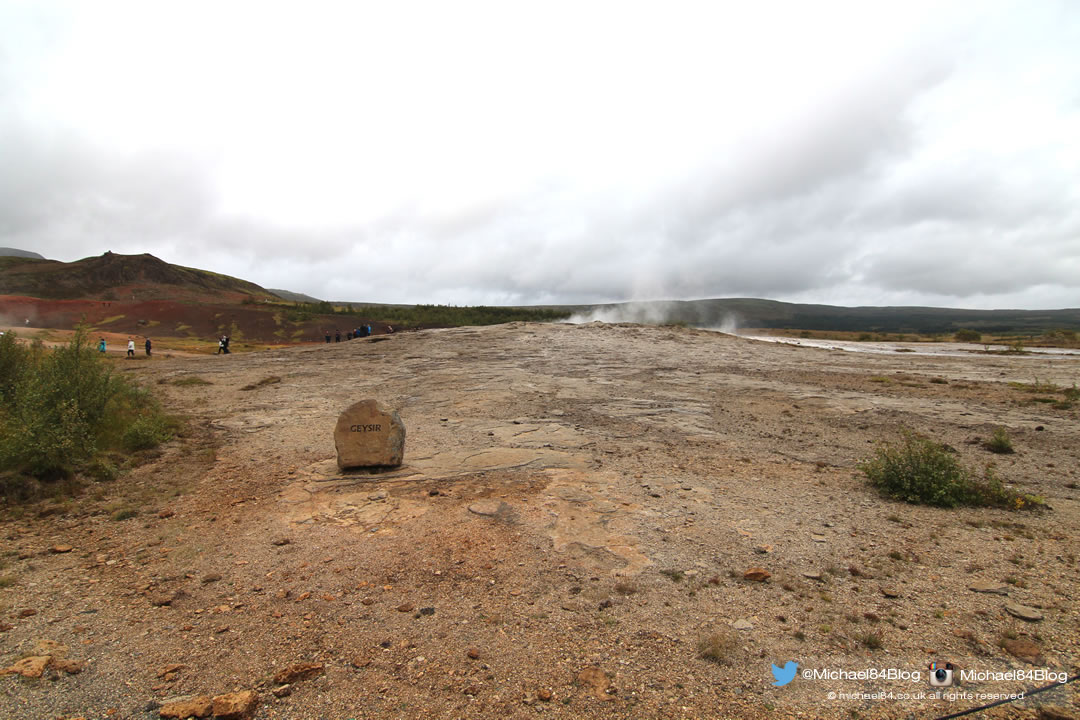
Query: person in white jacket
131, 347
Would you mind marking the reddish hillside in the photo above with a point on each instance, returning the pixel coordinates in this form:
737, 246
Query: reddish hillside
255, 322
140, 294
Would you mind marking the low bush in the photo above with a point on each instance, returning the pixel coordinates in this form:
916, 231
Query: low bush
1000, 443
62, 409
145, 432
919, 470
968, 335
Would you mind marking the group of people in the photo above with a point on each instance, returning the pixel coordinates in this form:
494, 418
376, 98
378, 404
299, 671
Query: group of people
362, 331
102, 347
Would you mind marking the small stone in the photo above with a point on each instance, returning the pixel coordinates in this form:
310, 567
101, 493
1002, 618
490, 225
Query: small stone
742, 624
1023, 612
487, 508
1026, 650
174, 667
283, 691
27, 612
164, 514
405, 607
161, 599
990, 587
71, 667
427, 611
59, 549
472, 690
233, 706
298, 673
381, 495
211, 577
757, 574
889, 592
763, 549
818, 538
544, 694
473, 654
1055, 712
281, 541
595, 681
200, 706
31, 667
811, 575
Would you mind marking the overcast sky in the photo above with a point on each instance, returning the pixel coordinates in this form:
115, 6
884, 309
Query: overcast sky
858, 153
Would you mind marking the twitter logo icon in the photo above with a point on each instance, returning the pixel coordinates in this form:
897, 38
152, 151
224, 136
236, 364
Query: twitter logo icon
785, 674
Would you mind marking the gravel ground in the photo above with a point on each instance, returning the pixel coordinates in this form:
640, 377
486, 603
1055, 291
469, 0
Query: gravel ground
573, 526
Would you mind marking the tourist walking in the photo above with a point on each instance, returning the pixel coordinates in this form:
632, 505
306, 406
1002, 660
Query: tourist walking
101, 345
147, 347
131, 347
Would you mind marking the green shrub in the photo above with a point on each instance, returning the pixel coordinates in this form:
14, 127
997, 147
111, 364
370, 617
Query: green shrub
1000, 443
102, 470
921, 471
146, 432
63, 407
968, 335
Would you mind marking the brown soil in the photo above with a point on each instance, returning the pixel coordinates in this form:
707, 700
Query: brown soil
178, 318
576, 512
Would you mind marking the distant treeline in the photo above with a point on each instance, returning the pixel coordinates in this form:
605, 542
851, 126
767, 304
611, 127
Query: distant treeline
408, 316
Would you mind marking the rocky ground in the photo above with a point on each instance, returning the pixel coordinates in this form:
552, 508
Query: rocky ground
592, 521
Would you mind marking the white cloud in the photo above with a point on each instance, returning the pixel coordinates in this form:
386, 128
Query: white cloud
564, 152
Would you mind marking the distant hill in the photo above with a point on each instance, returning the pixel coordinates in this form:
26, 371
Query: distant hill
114, 276
294, 296
751, 312
12, 252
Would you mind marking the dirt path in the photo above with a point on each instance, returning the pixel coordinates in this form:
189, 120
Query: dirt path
573, 497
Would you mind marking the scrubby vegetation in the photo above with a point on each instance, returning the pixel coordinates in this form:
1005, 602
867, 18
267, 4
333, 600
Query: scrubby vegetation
426, 316
64, 412
919, 470
1000, 443
968, 335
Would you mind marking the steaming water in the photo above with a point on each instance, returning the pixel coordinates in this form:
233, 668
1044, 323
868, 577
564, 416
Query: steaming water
939, 349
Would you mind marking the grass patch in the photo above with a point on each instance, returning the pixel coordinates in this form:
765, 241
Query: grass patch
673, 575
720, 647
1035, 386
881, 379
871, 640
272, 380
189, 380
921, 471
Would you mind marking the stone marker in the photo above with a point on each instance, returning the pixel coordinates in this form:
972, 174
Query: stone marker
369, 435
